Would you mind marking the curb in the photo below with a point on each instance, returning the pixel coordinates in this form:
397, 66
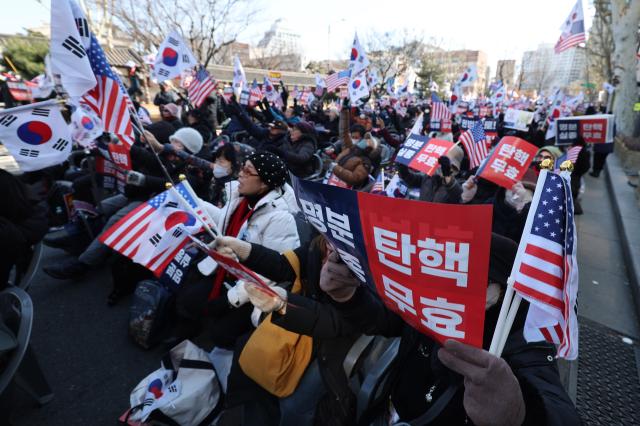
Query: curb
627, 216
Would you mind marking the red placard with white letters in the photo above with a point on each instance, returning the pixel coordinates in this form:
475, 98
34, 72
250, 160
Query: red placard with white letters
508, 162
426, 160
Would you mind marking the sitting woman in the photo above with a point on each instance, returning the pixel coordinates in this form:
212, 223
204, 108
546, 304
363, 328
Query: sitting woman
225, 170
355, 163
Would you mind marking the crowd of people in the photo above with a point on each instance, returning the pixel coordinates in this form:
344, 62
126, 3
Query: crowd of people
239, 161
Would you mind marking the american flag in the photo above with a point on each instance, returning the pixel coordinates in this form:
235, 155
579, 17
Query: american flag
255, 94
546, 273
202, 214
572, 30
201, 87
153, 233
474, 141
439, 111
109, 98
571, 155
378, 185
337, 79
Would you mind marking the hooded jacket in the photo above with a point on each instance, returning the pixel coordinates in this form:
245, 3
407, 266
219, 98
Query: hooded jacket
353, 165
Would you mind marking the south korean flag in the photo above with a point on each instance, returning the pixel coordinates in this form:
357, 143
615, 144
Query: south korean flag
358, 88
70, 38
174, 56
36, 135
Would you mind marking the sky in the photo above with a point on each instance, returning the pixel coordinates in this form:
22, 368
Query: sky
504, 29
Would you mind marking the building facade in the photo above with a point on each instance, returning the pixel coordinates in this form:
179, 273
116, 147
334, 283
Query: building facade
454, 62
506, 72
543, 69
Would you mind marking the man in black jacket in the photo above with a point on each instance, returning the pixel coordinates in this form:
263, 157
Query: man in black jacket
521, 387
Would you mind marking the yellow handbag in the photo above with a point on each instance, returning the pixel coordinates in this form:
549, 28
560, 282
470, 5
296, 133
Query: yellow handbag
276, 358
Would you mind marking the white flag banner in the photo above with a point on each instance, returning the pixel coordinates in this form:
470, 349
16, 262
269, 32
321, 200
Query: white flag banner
320, 81
85, 126
358, 88
36, 135
358, 61
68, 49
469, 76
173, 57
239, 78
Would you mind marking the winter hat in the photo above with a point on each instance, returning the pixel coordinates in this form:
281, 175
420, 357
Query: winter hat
455, 154
172, 109
502, 255
189, 137
553, 150
305, 127
270, 168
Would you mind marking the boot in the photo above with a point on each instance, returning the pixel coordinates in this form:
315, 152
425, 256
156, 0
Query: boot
71, 269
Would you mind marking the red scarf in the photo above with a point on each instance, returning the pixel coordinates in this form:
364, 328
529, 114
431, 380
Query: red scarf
240, 215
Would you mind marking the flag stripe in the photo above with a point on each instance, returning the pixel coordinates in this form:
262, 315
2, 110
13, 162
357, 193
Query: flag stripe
109, 236
541, 275
543, 254
538, 296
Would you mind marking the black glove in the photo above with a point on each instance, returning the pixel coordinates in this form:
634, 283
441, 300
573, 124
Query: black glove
445, 165
345, 103
218, 306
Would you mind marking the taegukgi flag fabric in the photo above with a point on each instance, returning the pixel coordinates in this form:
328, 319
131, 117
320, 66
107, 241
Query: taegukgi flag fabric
174, 56
358, 61
70, 41
36, 135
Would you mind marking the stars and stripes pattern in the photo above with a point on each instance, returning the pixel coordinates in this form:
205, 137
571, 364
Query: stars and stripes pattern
572, 30
439, 111
109, 98
201, 87
474, 142
571, 155
142, 234
255, 94
337, 79
547, 272
378, 185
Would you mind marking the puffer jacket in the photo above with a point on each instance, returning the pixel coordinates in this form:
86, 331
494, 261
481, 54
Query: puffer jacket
353, 165
299, 155
432, 188
271, 224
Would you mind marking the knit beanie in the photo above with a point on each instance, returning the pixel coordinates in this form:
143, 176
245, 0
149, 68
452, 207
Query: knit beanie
189, 137
270, 168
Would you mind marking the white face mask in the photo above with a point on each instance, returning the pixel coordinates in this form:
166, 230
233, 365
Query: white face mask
220, 171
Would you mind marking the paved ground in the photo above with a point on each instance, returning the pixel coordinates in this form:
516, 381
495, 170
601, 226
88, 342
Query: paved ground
92, 366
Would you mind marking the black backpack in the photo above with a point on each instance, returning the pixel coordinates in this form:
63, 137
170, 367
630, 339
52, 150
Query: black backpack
148, 312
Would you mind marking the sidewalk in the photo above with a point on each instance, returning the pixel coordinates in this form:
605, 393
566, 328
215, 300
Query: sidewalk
607, 371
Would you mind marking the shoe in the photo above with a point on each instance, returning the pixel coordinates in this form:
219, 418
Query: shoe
577, 208
595, 173
71, 269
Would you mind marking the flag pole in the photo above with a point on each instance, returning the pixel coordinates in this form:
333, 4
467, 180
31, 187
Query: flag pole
566, 166
186, 205
140, 128
511, 303
42, 104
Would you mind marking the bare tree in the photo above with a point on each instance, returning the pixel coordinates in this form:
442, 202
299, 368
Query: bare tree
600, 44
625, 17
392, 53
207, 25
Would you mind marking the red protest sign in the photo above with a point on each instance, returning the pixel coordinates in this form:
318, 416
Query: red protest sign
426, 159
431, 271
508, 162
120, 156
334, 180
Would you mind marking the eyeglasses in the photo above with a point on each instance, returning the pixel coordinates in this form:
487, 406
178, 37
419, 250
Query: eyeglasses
245, 171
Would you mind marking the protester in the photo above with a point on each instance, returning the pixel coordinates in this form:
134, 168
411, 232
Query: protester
298, 149
521, 388
225, 170
164, 96
23, 223
258, 210
354, 163
169, 123
141, 185
440, 188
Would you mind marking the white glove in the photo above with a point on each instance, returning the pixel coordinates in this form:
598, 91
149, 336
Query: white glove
237, 295
230, 247
135, 178
469, 190
264, 301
